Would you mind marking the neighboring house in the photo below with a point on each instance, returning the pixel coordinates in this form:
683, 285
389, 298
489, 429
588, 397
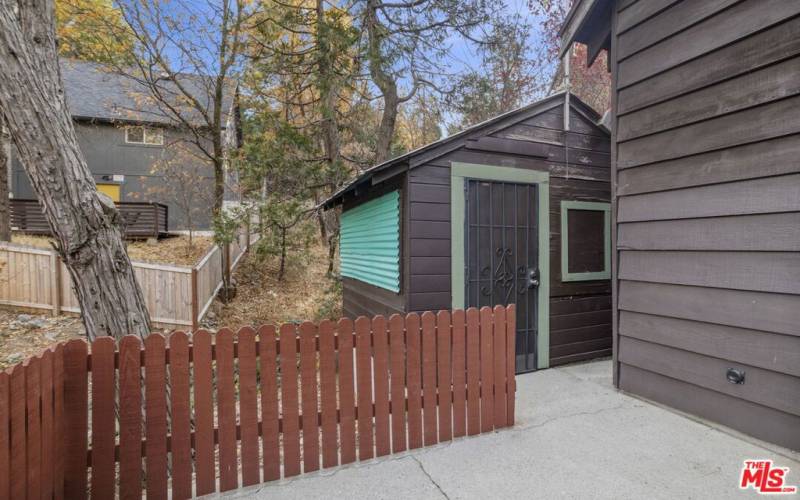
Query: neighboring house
706, 176
127, 140
512, 210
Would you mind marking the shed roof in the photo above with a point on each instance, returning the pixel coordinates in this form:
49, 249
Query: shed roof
388, 169
95, 92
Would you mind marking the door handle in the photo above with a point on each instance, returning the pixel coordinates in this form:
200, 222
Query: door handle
533, 277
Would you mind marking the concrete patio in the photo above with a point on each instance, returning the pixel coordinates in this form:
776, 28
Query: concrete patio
575, 437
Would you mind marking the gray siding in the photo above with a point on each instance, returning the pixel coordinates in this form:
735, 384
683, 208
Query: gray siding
107, 153
707, 180
579, 166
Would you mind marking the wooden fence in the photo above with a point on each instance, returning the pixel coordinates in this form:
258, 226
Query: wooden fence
249, 407
176, 296
140, 219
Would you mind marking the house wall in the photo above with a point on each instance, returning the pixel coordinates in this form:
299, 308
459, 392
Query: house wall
580, 321
706, 140
363, 299
107, 153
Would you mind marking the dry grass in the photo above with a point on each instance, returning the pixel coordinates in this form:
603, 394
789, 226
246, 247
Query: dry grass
305, 293
173, 250
24, 335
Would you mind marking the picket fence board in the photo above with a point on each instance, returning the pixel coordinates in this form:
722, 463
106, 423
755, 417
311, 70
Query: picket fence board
380, 346
290, 416
308, 385
103, 377
459, 374
445, 389
248, 400
347, 397
181, 445
398, 384
203, 414
414, 375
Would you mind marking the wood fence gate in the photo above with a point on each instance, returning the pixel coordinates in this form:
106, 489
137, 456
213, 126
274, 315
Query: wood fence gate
248, 407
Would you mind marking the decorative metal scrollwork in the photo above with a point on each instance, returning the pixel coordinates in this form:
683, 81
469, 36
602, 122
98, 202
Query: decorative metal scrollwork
503, 278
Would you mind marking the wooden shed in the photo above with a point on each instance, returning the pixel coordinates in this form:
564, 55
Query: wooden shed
512, 210
705, 147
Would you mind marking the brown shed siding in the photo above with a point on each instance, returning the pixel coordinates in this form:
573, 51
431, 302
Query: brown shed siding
580, 312
707, 180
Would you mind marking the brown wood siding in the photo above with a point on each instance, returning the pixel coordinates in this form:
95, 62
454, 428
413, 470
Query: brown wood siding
707, 182
580, 170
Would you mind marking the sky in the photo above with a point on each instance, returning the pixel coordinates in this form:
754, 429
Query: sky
464, 57
465, 53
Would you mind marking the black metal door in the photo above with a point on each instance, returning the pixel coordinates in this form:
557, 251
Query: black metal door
502, 254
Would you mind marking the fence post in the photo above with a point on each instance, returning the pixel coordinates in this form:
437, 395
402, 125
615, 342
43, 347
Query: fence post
195, 304
227, 263
55, 276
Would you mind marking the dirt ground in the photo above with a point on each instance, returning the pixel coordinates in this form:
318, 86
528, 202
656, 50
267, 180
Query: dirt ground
23, 335
174, 250
306, 293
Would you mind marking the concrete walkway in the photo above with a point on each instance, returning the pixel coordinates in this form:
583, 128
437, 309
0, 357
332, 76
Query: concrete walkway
576, 437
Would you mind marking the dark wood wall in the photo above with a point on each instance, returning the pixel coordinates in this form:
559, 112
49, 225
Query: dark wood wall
707, 146
580, 323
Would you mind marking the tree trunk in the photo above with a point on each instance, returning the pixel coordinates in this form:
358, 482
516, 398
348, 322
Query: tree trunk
283, 254
85, 223
5, 174
332, 242
331, 139
385, 134
384, 81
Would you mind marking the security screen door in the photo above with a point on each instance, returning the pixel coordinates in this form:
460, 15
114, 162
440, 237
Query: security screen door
502, 254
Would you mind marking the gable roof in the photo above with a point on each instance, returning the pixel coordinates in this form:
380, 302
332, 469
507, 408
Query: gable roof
94, 92
390, 168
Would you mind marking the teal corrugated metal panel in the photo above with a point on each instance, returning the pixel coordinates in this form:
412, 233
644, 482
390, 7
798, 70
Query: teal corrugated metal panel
369, 245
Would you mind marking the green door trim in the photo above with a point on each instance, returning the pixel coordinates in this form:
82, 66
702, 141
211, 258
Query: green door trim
459, 172
566, 206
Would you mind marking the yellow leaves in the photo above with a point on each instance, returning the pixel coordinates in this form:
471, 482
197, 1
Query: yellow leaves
93, 30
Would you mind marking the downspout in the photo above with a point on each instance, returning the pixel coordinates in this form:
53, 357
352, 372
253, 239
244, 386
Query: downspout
567, 84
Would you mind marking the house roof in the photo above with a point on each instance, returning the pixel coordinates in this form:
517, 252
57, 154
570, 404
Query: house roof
419, 156
588, 22
95, 92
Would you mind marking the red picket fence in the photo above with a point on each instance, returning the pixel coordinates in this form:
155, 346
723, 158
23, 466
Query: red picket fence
210, 413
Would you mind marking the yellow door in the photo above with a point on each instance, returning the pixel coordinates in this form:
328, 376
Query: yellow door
111, 190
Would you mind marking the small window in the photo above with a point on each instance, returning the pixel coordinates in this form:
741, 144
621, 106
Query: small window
144, 135
585, 241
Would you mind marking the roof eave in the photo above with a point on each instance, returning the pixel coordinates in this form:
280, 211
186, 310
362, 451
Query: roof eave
588, 22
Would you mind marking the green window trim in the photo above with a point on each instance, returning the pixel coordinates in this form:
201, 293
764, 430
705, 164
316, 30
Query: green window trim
369, 244
605, 274
459, 172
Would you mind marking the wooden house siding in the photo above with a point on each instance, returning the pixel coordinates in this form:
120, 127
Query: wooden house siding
580, 312
707, 180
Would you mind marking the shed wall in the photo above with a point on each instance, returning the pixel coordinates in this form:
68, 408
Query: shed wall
580, 321
706, 140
